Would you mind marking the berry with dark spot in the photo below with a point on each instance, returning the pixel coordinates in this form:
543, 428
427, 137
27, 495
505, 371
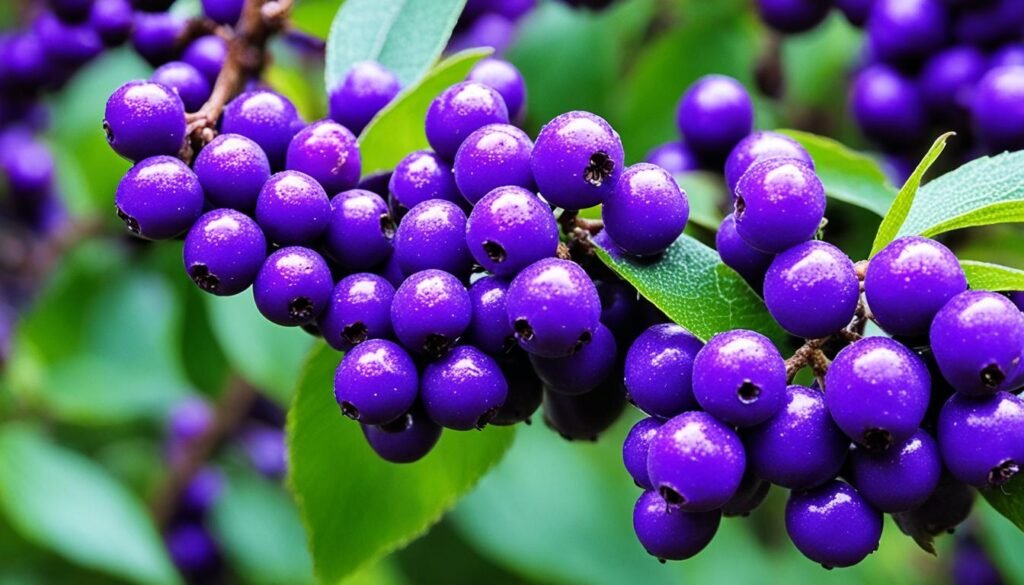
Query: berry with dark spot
463, 390
982, 439
833, 524
553, 308
376, 382
293, 287
224, 251
898, 479
430, 312
509, 229
360, 232
359, 310
328, 152
159, 198
779, 203
144, 119
406, 439
577, 160
740, 377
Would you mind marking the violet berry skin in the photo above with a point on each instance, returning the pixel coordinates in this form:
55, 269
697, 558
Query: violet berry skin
982, 439
510, 229
376, 382
714, 114
996, 108
159, 198
406, 439
577, 160
811, 289
292, 208
360, 232
186, 81
779, 203
948, 78
505, 79
793, 16
293, 287
696, 462
907, 283
525, 392
752, 492
267, 118
647, 211
675, 157
430, 311
760, 146
583, 417
144, 119
359, 309
553, 308
833, 524
888, 107
800, 447
232, 170
877, 391
366, 88
207, 54
224, 251
433, 235
489, 328
659, 370
494, 156
458, 111
672, 535
582, 371
421, 176
736, 253
906, 30
328, 152
463, 390
635, 449
223, 11
901, 478
978, 342
740, 377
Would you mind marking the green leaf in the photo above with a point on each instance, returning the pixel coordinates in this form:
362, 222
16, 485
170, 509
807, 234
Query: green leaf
1009, 500
706, 192
356, 506
398, 130
64, 502
405, 36
811, 61
1003, 541
899, 213
273, 554
314, 16
693, 288
848, 175
986, 276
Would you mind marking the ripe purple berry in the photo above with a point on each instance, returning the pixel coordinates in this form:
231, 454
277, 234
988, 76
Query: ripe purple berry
582, 371
493, 156
674, 157
232, 169
740, 377
811, 289
463, 390
982, 439
155, 36
635, 449
328, 152
901, 478
359, 309
888, 107
366, 88
510, 229
906, 30
458, 111
736, 253
672, 534
144, 119
577, 160
293, 287
714, 114
159, 198
583, 417
833, 524
360, 232
760, 146
223, 11
489, 329
553, 308
433, 235
421, 176
430, 311
996, 108
292, 208
224, 251
186, 81
376, 382
505, 79
948, 79
525, 392
647, 211
207, 54
404, 440
267, 118
752, 492
948, 506
659, 370
779, 203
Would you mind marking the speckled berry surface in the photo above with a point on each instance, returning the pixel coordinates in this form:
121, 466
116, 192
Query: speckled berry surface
430, 311
713, 115
996, 108
433, 235
510, 229
505, 79
266, 117
360, 233
420, 176
901, 478
636, 447
144, 119
659, 370
405, 440
232, 169
647, 211
376, 382
577, 160
740, 377
496, 155
293, 286
359, 310
223, 251
553, 308
292, 208
328, 152
751, 263
982, 439
672, 534
779, 203
186, 81
159, 198
760, 146
364, 90
458, 111
833, 524
463, 390
583, 370
811, 289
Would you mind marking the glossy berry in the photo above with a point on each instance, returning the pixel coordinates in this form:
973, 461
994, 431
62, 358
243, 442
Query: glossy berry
901, 478
112, 20
619, 309
647, 211
489, 329
982, 439
421, 176
404, 440
714, 114
159, 198
144, 119
463, 390
906, 30
376, 382
155, 36
752, 492
267, 118
328, 152
793, 16
292, 208
293, 287
510, 229
366, 88
736, 253
493, 156
207, 54
360, 232
525, 392
811, 289
433, 236
223, 11
761, 146
948, 78
659, 370
909, 281
577, 160
1008, 54
696, 462
582, 371
359, 309
675, 157
740, 377
877, 391
430, 311
186, 81
635, 449
505, 79
800, 447
888, 107
232, 170
672, 534
779, 203
224, 251
553, 308
583, 417
458, 111
833, 524
996, 108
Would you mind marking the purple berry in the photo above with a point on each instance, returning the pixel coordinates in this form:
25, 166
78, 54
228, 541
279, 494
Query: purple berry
906, 30
855, 11
553, 308
714, 114
989, 23
635, 449
67, 44
982, 439
760, 146
489, 329
740, 377
376, 382
328, 152
232, 170
1008, 54
510, 229
674, 157
737, 254
433, 235
421, 176
779, 203
186, 81
293, 287
202, 491
268, 118
191, 548
619, 308
360, 309
360, 233
696, 462
155, 36
71, 10
505, 79
24, 62
583, 417
493, 156
972, 565
811, 289
752, 492
266, 451
405, 440
458, 111
997, 108
207, 54
582, 371
463, 390
159, 198
672, 534
223, 11
366, 88
27, 166
525, 392
292, 208
659, 370
901, 478
948, 79
144, 119
793, 16
112, 20
647, 211
430, 311
577, 160
189, 419
877, 391
888, 107
833, 524
224, 251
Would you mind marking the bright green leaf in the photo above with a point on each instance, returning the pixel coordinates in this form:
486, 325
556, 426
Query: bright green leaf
66, 503
356, 506
1003, 541
811, 60
398, 130
1008, 500
314, 16
986, 276
706, 192
405, 36
692, 287
898, 215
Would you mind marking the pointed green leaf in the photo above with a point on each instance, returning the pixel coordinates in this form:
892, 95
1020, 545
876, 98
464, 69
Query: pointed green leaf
1008, 500
986, 276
